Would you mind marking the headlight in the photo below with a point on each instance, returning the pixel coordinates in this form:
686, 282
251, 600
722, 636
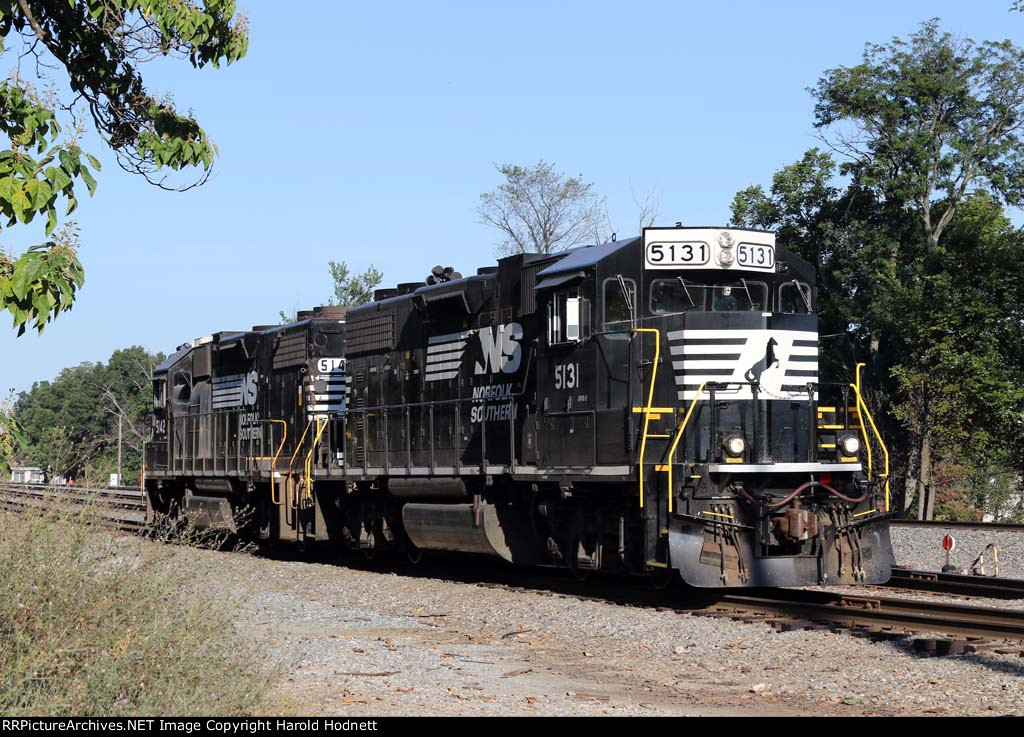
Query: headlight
850, 445
735, 446
726, 258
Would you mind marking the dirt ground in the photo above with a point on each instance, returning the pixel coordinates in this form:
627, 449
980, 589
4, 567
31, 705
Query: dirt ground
354, 641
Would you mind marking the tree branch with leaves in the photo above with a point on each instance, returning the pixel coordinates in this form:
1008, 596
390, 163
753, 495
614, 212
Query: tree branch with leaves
99, 45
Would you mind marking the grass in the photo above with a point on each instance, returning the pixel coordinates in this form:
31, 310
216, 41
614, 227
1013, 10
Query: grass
97, 624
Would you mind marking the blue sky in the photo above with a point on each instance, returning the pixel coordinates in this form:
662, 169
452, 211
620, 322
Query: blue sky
366, 132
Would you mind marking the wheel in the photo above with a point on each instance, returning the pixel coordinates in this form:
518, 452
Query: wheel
414, 554
580, 574
661, 578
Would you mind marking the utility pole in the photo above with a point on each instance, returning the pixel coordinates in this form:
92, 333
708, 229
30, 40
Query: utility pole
119, 418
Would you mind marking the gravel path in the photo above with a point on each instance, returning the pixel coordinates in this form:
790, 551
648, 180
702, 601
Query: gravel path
358, 642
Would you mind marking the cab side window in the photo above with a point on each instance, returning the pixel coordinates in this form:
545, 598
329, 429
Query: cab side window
618, 304
568, 318
181, 390
795, 298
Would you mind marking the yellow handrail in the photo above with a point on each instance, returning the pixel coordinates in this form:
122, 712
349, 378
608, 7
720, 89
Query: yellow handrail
298, 446
309, 456
291, 464
863, 408
650, 403
678, 437
273, 465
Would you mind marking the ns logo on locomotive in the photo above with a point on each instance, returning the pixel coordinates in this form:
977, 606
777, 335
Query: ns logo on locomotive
647, 406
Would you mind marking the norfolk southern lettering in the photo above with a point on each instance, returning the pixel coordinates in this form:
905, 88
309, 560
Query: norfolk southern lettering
492, 412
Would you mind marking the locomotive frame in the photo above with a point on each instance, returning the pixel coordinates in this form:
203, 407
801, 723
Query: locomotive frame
642, 406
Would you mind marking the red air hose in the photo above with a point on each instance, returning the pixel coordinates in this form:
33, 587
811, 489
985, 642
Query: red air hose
796, 492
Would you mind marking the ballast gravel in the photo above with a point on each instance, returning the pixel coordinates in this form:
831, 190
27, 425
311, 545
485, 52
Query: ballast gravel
921, 547
356, 641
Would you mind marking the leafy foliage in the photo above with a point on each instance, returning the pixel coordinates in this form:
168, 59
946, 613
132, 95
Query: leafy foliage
943, 339
356, 289
919, 268
926, 123
69, 425
539, 210
10, 438
99, 44
931, 117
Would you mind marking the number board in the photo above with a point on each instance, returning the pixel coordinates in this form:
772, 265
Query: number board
682, 253
755, 256
708, 248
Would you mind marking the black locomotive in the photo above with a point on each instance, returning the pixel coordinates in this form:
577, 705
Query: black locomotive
642, 406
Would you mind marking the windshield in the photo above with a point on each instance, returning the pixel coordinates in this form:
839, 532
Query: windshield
676, 295
741, 296
672, 296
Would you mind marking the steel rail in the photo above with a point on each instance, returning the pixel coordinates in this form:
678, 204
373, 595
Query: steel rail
959, 524
992, 587
886, 613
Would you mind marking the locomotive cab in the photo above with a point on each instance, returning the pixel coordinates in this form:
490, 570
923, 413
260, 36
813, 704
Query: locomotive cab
691, 356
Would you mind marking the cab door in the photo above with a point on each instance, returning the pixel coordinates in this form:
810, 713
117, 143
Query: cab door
566, 380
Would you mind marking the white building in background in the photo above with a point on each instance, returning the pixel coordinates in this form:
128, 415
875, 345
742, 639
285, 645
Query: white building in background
27, 475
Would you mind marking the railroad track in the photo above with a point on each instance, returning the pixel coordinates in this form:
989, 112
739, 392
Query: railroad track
959, 626
783, 608
878, 615
123, 508
959, 524
989, 587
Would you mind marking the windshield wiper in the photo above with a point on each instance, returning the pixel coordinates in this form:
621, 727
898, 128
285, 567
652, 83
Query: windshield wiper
805, 297
629, 300
750, 299
686, 291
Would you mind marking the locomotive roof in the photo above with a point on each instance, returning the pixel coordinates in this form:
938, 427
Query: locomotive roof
585, 257
164, 366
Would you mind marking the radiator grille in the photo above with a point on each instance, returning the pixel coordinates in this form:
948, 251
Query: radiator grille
374, 334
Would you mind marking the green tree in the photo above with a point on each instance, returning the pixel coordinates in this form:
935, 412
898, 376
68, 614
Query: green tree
70, 425
10, 438
99, 46
948, 334
539, 210
353, 290
924, 122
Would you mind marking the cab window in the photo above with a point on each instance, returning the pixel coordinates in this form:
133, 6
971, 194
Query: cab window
618, 304
795, 298
181, 390
741, 296
669, 296
568, 318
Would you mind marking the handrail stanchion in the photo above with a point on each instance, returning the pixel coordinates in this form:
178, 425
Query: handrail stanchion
273, 463
650, 403
863, 409
678, 437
